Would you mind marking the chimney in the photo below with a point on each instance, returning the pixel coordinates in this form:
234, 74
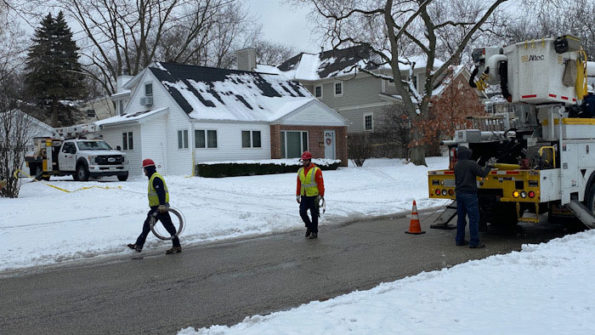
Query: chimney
246, 59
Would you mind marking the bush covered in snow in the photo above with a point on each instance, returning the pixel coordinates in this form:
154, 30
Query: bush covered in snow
250, 168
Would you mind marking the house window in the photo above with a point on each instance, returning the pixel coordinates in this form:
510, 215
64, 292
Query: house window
149, 89
91, 113
293, 143
339, 89
211, 138
127, 143
199, 139
251, 139
318, 91
368, 122
414, 80
183, 139
205, 138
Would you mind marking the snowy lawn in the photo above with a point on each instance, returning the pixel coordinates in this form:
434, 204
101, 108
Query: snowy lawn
47, 226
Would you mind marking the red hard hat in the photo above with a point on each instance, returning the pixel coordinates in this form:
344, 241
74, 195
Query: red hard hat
148, 162
306, 155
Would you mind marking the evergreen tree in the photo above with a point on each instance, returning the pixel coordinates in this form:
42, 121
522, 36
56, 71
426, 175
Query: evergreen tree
53, 72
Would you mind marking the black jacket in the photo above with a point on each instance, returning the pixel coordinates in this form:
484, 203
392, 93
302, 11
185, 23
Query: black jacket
466, 171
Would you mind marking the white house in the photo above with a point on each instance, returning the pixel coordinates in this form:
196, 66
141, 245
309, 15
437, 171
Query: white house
180, 115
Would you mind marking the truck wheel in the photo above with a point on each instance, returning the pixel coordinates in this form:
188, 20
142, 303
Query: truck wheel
123, 177
82, 173
590, 199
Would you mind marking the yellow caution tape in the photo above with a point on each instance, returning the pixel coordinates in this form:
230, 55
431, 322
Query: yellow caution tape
65, 190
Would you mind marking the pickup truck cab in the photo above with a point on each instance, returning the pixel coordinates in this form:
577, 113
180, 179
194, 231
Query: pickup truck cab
91, 158
81, 158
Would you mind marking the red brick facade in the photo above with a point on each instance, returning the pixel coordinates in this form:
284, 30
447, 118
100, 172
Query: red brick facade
315, 140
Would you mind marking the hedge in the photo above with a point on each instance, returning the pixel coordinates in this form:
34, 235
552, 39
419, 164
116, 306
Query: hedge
251, 168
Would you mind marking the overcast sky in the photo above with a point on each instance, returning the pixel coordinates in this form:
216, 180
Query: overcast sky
284, 23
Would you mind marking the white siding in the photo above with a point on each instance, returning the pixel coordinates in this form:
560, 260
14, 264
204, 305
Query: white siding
113, 136
154, 142
229, 142
313, 114
179, 161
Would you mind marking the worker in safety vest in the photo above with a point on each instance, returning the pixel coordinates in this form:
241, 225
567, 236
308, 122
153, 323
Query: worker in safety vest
159, 204
310, 189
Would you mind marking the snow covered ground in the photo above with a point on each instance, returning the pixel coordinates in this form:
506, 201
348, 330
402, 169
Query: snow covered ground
544, 289
48, 226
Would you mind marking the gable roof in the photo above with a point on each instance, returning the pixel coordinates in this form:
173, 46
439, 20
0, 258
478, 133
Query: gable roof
208, 93
336, 63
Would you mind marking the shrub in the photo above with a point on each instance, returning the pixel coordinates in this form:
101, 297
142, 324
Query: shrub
251, 168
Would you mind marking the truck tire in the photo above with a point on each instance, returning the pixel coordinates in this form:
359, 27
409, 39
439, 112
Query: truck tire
82, 172
590, 198
123, 177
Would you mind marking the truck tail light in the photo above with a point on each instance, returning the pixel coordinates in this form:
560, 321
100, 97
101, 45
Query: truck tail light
437, 191
531, 194
515, 194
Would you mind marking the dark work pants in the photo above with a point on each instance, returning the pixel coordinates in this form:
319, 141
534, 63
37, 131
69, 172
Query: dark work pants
467, 205
165, 221
311, 204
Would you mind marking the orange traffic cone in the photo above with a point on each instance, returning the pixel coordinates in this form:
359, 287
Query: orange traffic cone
414, 226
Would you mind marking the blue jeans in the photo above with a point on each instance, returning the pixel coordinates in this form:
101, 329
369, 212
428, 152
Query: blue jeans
467, 204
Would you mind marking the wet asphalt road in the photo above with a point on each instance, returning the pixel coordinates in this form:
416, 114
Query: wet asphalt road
222, 283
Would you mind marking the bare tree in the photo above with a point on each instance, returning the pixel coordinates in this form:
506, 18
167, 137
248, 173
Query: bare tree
272, 53
127, 35
398, 29
15, 128
359, 147
545, 18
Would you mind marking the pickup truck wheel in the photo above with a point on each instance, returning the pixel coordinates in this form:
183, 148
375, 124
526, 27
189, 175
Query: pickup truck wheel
123, 177
590, 199
82, 173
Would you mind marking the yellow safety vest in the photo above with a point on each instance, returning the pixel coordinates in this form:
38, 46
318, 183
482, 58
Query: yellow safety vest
309, 186
153, 198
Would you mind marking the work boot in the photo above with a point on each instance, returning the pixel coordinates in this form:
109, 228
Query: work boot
460, 244
138, 248
313, 236
479, 246
173, 250
308, 232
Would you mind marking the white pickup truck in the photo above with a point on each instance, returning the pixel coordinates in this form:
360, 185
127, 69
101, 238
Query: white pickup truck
81, 158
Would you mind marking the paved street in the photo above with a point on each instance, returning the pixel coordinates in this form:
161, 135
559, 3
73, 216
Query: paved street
222, 283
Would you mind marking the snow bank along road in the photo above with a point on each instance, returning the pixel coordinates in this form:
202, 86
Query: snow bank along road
221, 283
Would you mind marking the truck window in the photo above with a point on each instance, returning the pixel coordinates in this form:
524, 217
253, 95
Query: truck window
93, 145
69, 148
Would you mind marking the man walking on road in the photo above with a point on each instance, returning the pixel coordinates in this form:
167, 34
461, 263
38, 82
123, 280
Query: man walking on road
466, 171
159, 204
310, 188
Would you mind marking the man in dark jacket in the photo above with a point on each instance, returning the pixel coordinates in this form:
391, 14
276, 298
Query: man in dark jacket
159, 204
466, 171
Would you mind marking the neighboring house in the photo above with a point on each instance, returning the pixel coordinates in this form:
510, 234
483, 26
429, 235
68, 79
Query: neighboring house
181, 115
23, 129
96, 109
333, 77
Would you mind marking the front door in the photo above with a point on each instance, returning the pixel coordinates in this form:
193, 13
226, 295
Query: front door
329, 144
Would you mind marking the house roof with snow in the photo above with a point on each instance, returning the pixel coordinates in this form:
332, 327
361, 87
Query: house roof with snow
337, 63
222, 94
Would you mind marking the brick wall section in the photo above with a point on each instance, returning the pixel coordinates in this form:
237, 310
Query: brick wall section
315, 139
